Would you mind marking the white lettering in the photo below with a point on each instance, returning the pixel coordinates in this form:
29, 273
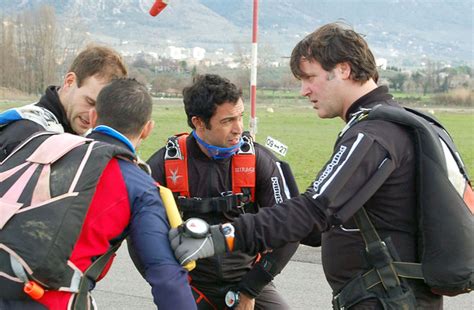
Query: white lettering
335, 160
245, 169
276, 190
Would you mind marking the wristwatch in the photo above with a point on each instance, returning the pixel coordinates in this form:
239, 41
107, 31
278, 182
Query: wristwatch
232, 298
228, 231
196, 228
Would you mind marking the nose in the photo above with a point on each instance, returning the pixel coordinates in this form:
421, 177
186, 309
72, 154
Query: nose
238, 126
304, 90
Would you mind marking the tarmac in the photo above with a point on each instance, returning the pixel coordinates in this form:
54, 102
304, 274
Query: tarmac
302, 283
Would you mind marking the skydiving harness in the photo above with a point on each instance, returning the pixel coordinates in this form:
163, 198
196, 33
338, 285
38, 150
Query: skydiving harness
243, 178
445, 221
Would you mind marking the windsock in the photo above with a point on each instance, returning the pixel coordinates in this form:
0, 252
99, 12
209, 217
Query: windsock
158, 6
173, 215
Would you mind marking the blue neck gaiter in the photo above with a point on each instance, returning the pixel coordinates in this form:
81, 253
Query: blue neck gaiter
218, 152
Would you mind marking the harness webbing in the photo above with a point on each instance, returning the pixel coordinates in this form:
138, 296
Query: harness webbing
90, 276
243, 178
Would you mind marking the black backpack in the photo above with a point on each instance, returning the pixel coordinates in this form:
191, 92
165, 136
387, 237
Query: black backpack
46, 186
445, 202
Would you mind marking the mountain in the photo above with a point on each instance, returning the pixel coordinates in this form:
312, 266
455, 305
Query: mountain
405, 32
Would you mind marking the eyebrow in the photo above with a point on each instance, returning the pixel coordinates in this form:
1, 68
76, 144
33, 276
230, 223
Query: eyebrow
231, 117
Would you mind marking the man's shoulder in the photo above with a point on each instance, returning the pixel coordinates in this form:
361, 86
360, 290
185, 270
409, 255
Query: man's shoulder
32, 113
263, 154
157, 157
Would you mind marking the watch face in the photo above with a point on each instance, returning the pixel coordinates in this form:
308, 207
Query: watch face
197, 226
231, 299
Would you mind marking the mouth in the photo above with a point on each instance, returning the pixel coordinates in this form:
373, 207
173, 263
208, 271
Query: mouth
84, 123
314, 102
234, 141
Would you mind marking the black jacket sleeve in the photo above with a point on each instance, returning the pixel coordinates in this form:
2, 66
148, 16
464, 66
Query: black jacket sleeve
356, 158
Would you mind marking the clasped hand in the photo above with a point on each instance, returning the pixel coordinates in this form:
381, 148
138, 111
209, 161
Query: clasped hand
189, 247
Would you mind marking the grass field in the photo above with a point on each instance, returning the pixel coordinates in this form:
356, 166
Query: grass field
309, 139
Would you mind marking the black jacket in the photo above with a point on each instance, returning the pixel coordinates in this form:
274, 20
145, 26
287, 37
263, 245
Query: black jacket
14, 133
392, 209
212, 178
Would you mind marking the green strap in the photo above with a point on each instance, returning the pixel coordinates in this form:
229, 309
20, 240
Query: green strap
81, 300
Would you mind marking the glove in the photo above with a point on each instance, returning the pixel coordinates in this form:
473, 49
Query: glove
188, 248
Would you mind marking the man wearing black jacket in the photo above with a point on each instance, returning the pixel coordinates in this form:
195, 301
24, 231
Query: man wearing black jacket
338, 75
63, 108
213, 151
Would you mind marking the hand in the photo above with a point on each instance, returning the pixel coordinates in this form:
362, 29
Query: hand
245, 302
187, 248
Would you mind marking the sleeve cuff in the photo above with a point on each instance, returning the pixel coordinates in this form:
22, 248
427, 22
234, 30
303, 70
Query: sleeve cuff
255, 280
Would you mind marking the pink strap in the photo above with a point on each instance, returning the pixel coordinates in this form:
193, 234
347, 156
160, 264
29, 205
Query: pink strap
9, 205
55, 147
7, 210
42, 192
6, 174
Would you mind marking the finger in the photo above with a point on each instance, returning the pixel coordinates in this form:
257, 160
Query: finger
175, 242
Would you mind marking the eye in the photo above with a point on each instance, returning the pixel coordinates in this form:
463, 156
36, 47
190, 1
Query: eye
90, 101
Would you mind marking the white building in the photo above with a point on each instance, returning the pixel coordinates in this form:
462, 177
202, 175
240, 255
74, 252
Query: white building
381, 63
198, 53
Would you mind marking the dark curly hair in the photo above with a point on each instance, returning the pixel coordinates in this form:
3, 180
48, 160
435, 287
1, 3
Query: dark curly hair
205, 94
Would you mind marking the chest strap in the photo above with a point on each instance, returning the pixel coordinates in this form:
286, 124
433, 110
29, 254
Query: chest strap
224, 204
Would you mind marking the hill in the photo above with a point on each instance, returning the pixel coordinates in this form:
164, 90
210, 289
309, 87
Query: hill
403, 31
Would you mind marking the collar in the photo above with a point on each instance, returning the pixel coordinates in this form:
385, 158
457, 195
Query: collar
369, 100
217, 152
109, 131
50, 100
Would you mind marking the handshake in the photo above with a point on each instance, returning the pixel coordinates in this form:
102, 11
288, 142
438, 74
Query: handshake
195, 239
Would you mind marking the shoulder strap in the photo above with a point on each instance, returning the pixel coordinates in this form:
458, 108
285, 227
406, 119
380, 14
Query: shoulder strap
243, 168
176, 165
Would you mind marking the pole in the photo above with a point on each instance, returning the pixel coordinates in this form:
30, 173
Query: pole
253, 73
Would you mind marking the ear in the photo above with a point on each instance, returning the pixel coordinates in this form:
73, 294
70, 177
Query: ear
147, 129
93, 117
344, 70
69, 80
198, 123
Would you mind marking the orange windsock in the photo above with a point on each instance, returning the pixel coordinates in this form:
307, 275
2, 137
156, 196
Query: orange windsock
158, 6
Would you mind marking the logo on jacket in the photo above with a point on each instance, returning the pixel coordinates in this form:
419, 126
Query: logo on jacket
174, 176
244, 169
276, 190
329, 168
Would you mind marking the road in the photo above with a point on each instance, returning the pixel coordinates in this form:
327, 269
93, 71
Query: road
302, 283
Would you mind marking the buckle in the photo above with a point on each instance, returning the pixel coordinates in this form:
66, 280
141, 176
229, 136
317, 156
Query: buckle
336, 304
172, 149
247, 146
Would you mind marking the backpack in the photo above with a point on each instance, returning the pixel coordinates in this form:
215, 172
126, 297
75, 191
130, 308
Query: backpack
445, 203
46, 186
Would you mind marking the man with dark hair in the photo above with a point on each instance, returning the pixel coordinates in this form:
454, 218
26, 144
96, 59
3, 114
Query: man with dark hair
125, 202
65, 108
220, 174
373, 159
